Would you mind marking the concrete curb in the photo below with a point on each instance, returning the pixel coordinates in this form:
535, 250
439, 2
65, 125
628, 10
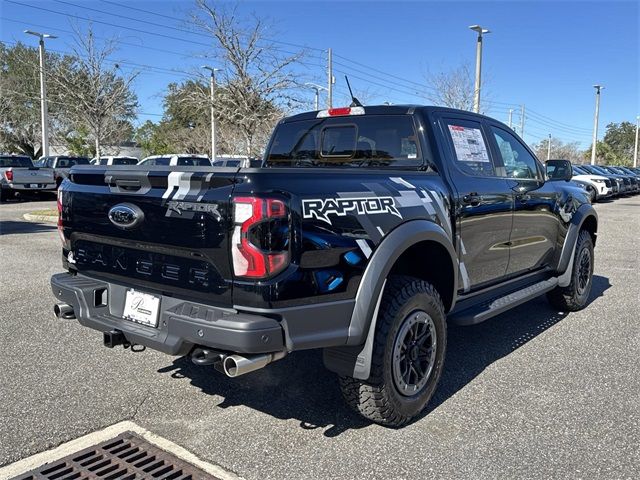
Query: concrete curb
40, 218
22, 466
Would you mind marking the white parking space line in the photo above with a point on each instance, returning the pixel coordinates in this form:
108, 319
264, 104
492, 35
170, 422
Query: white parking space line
26, 464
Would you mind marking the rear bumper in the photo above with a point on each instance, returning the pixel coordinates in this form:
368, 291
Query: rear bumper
181, 324
26, 188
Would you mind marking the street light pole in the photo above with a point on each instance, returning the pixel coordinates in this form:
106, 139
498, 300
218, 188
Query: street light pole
549, 148
212, 88
44, 114
317, 89
635, 150
595, 124
476, 91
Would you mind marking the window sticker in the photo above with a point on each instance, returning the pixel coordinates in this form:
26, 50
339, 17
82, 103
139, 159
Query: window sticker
469, 144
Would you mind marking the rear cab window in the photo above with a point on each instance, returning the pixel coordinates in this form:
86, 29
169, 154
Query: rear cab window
194, 162
18, 162
348, 141
125, 161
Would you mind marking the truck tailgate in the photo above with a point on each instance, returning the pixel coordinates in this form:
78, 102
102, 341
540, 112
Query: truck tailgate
27, 176
178, 242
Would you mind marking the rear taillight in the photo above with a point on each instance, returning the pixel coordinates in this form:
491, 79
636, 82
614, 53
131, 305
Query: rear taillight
9, 175
60, 230
260, 242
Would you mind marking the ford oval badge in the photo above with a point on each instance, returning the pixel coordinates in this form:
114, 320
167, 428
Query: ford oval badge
126, 215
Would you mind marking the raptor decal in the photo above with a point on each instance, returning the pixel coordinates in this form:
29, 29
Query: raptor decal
321, 208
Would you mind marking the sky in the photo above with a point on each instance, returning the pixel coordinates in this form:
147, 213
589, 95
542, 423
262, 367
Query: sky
545, 55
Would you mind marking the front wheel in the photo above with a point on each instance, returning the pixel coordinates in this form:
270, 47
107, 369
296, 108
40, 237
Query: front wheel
408, 354
592, 194
574, 297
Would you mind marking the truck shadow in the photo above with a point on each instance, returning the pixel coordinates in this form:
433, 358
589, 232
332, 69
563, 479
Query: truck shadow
300, 387
11, 227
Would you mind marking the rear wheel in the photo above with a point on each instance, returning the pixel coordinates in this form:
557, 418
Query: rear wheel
4, 195
575, 296
408, 354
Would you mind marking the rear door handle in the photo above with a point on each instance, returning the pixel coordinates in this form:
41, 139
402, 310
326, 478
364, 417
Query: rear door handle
472, 199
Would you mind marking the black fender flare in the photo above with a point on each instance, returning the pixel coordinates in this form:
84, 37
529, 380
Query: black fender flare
355, 359
575, 225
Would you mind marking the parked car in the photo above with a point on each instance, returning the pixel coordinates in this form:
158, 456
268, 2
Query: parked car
632, 177
366, 230
114, 160
597, 186
61, 165
183, 160
18, 176
629, 181
623, 187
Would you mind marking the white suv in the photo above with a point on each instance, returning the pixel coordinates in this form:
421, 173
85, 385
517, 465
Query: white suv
182, 160
597, 185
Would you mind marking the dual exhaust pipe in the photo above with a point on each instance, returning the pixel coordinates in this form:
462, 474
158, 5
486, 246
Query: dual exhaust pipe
234, 365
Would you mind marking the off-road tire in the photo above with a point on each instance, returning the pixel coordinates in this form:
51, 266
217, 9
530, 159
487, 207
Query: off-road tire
378, 398
573, 298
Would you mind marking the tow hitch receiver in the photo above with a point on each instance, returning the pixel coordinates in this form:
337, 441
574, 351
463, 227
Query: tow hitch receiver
114, 338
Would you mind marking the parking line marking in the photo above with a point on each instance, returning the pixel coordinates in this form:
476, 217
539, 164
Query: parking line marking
34, 461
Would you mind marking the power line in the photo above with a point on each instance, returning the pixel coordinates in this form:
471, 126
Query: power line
172, 18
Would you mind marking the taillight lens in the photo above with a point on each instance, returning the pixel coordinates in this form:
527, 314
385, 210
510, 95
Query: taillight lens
60, 230
260, 242
9, 175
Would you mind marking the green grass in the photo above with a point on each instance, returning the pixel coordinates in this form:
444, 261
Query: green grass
51, 212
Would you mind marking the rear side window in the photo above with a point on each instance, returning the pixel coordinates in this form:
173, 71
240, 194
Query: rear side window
6, 162
350, 141
470, 148
67, 162
194, 162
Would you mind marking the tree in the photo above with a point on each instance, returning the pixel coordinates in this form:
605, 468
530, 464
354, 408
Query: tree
259, 82
621, 138
20, 121
99, 98
454, 88
559, 150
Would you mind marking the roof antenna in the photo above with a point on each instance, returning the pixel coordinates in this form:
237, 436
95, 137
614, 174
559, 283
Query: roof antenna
354, 101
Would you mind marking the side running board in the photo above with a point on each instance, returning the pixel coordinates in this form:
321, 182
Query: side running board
496, 306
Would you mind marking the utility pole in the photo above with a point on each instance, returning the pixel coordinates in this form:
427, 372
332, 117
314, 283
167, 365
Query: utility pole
635, 150
317, 89
549, 148
595, 124
212, 91
330, 79
522, 122
476, 91
44, 113
511, 118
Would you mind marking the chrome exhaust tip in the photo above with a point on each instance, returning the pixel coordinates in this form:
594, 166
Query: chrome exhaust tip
236, 365
64, 311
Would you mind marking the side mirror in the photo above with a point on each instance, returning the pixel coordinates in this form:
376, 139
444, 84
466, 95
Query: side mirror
559, 170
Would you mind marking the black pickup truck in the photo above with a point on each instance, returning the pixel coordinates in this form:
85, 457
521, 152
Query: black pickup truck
364, 232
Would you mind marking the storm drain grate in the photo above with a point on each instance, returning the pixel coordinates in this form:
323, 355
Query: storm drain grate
126, 457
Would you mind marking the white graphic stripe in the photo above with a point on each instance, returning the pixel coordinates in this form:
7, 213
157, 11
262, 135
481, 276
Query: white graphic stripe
402, 181
364, 246
173, 180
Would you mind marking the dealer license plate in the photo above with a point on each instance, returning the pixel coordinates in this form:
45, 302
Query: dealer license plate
141, 308
33, 185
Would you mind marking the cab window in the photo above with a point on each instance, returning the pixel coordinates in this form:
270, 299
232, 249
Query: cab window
517, 161
470, 147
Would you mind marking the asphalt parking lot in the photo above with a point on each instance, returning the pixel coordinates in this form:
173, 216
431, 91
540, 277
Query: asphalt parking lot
532, 393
